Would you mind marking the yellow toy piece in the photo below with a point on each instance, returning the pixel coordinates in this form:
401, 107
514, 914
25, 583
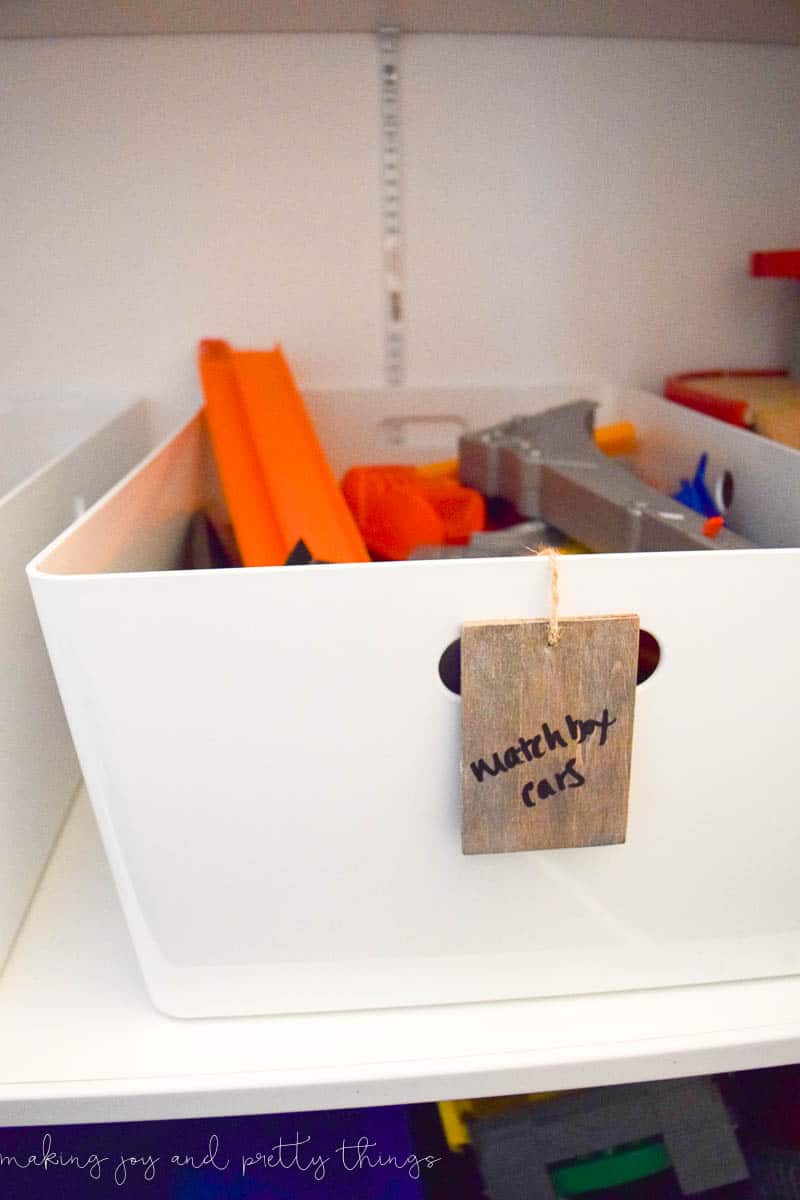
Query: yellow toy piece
617, 439
455, 1114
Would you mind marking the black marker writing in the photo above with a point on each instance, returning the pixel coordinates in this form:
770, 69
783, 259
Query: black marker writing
527, 749
570, 777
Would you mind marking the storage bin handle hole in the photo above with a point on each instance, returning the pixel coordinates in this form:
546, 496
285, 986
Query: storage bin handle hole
423, 431
450, 667
723, 491
450, 661
649, 656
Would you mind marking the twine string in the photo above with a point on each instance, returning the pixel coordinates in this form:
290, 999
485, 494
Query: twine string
553, 631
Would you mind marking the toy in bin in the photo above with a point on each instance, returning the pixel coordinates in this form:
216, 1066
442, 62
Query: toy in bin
550, 467
286, 507
428, 512
278, 485
400, 508
285, 504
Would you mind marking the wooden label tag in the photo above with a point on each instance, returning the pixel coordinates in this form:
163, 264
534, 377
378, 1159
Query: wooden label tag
546, 733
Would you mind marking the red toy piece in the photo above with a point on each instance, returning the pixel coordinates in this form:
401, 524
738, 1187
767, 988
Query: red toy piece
713, 526
694, 389
399, 508
776, 264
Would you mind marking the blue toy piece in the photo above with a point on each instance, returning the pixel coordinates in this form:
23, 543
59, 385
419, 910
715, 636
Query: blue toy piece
694, 493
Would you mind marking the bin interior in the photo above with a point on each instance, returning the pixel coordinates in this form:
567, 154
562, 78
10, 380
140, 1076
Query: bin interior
141, 525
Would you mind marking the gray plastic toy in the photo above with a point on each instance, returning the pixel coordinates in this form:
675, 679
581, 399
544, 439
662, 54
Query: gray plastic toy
550, 468
515, 1150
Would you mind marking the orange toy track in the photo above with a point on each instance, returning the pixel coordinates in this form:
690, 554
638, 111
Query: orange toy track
277, 483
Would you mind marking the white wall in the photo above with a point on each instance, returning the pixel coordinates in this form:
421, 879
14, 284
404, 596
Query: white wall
571, 207
579, 204
157, 190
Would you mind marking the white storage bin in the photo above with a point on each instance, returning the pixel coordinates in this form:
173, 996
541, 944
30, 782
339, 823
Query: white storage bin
274, 760
55, 460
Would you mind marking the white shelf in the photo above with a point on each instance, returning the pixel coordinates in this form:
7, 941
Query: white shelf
80, 1041
771, 21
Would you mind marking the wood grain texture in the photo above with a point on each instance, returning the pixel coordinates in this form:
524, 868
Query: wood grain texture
546, 733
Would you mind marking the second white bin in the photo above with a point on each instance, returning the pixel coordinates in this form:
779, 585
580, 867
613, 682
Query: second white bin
55, 460
274, 760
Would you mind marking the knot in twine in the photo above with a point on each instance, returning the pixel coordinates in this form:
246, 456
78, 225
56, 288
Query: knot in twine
553, 631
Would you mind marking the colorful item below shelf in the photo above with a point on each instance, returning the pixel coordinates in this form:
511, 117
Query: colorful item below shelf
581, 1142
610, 1168
456, 1115
277, 483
